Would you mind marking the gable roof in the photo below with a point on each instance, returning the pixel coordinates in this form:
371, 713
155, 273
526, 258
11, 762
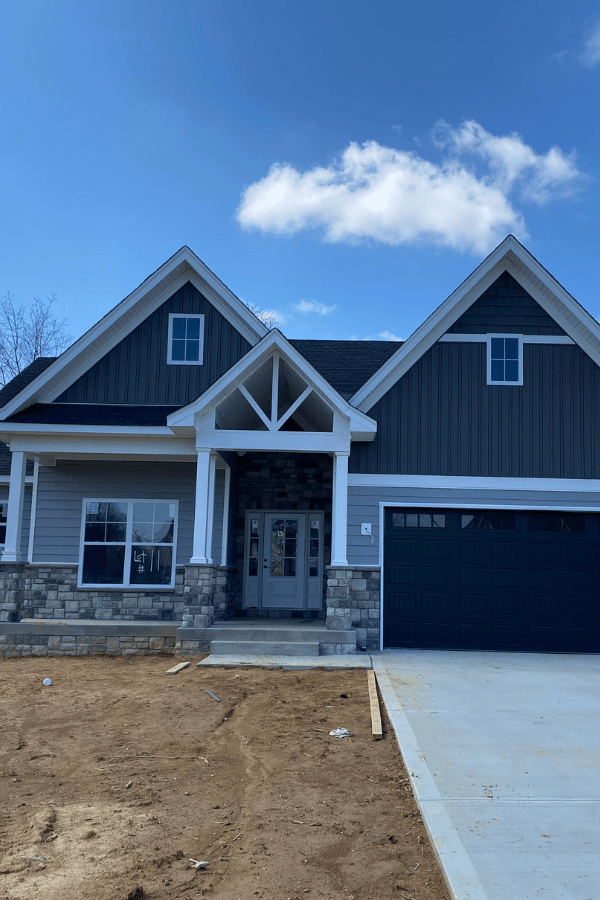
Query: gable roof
20, 381
182, 267
361, 425
346, 364
510, 256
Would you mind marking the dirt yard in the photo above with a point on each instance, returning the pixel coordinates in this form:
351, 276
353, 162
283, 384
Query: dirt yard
117, 775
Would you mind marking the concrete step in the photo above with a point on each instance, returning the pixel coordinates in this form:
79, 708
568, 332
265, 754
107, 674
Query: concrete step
257, 633
264, 648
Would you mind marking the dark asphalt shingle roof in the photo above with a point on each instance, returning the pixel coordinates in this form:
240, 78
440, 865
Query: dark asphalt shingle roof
20, 381
346, 365
92, 414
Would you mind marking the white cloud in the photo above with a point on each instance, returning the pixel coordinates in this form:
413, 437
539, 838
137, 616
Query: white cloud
271, 318
388, 336
591, 54
512, 163
313, 306
396, 197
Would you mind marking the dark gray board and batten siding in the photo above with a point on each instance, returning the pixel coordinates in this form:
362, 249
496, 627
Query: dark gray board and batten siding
442, 418
506, 307
136, 370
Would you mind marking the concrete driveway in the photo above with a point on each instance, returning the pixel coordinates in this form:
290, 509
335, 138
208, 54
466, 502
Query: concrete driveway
503, 750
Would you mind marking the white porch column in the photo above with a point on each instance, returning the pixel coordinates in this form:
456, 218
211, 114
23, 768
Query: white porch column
205, 504
14, 519
225, 526
339, 510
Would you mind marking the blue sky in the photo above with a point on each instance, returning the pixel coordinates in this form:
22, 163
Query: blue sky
345, 165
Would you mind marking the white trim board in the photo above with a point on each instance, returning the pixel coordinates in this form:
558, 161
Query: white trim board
526, 506
526, 338
465, 483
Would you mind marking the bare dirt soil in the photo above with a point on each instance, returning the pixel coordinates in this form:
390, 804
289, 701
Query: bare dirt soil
117, 775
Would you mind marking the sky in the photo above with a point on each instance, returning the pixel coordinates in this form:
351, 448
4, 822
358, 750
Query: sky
342, 165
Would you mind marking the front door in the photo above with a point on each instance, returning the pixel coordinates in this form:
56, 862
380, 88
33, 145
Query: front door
283, 560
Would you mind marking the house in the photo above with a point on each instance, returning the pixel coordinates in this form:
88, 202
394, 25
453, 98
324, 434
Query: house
188, 465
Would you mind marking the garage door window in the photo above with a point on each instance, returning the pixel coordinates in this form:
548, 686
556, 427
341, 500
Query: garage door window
489, 521
418, 520
557, 522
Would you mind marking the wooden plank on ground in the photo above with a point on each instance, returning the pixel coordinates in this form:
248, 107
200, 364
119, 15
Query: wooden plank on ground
177, 668
376, 728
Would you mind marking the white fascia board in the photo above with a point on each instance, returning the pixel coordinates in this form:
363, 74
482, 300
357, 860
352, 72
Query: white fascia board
465, 483
184, 266
226, 384
104, 444
298, 441
509, 256
565, 310
138, 431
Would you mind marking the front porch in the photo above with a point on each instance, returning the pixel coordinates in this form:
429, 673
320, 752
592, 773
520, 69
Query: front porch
236, 506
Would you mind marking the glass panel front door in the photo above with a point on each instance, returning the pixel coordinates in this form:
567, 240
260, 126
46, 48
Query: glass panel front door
283, 557
283, 564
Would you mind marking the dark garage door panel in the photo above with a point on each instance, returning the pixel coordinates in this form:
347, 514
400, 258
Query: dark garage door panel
492, 580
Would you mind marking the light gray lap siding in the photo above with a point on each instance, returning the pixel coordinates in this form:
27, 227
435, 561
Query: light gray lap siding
61, 490
363, 506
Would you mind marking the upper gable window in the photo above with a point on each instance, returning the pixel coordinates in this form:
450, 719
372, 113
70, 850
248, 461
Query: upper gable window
504, 359
186, 339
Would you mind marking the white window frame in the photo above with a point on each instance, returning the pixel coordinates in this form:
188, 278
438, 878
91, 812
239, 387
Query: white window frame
519, 338
125, 585
185, 362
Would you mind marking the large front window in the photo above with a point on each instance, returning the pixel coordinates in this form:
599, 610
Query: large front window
128, 543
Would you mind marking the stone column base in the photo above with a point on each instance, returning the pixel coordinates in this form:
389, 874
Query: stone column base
208, 595
354, 602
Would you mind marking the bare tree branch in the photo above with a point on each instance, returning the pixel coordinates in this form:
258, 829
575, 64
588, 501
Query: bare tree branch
267, 316
28, 332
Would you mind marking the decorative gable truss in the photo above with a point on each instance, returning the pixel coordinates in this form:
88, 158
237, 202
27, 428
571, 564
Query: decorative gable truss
279, 396
273, 399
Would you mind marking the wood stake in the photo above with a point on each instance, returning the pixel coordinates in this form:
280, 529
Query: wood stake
374, 703
177, 668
